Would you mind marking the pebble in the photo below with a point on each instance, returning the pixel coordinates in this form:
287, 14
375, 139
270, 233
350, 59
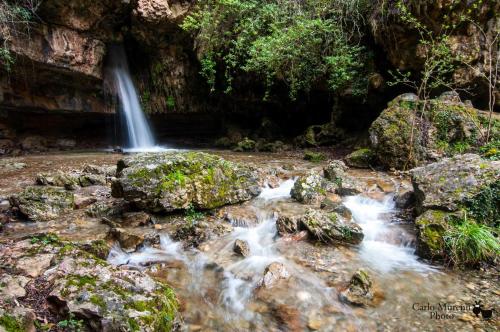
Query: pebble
314, 323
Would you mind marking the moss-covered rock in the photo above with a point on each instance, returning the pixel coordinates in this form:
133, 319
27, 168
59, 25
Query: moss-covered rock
320, 135
431, 227
335, 171
331, 227
362, 158
359, 291
176, 180
310, 188
245, 145
411, 132
59, 179
315, 157
87, 288
43, 203
449, 184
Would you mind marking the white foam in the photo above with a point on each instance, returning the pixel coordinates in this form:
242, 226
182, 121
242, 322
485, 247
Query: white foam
282, 191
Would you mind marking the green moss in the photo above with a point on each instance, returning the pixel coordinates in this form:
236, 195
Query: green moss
314, 157
80, 281
484, 207
11, 324
133, 325
98, 301
163, 310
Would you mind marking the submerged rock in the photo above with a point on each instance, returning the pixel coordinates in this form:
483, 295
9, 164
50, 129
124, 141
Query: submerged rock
241, 247
331, 227
176, 180
359, 292
273, 273
43, 203
448, 184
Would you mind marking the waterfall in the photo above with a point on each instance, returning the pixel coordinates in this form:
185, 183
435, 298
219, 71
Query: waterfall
139, 133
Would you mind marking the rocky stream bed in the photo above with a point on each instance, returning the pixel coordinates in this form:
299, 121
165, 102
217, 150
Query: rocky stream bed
247, 242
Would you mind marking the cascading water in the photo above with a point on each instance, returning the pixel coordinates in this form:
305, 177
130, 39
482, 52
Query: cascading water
216, 283
385, 246
140, 137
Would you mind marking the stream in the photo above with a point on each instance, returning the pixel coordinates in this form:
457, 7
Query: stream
219, 290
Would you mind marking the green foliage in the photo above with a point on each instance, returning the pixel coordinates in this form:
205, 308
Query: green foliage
45, 239
485, 206
192, 216
170, 102
491, 150
11, 324
296, 43
16, 17
71, 324
469, 243
434, 46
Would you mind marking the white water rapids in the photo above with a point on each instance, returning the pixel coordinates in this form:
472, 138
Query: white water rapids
235, 279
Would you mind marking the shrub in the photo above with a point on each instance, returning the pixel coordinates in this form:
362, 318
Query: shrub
16, 17
298, 43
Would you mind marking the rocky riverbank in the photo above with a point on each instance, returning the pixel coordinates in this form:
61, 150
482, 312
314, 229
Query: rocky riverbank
302, 245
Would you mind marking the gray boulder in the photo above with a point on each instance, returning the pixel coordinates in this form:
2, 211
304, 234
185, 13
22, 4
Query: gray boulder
43, 203
449, 183
331, 227
176, 180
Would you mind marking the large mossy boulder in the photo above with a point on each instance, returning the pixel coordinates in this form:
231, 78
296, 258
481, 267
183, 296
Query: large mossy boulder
177, 180
450, 183
462, 190
431, 228
411, 132
43, 203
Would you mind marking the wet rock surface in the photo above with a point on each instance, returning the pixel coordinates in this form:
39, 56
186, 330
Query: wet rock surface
173, 181
241, 248
310, 188
449, 183
359, 292
273, 273
331, 227
212, 282
411, 132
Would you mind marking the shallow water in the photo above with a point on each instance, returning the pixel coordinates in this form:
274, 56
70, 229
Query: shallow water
224, 287
218, 289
